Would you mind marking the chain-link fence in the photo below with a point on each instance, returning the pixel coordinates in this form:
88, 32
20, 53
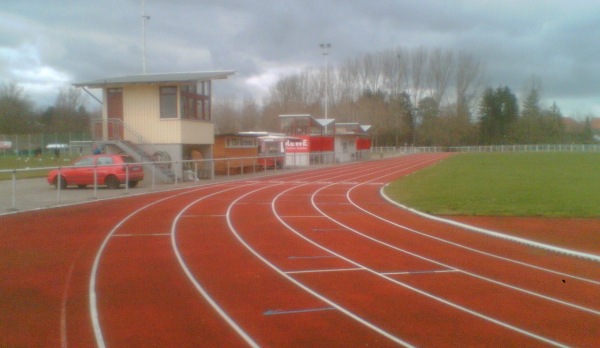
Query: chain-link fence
39, 144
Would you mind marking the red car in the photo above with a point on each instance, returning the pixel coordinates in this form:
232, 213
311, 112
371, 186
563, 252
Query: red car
111, 170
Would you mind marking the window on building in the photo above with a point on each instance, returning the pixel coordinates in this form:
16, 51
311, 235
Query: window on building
168, 102
240, 142
195, 101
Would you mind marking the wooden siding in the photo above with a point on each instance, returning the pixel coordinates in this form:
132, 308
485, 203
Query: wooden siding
221, 152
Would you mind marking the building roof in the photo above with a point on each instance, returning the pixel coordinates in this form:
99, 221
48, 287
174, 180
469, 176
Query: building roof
324, 122
175, 78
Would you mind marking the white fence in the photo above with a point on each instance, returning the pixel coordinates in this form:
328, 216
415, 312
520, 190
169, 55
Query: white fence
492, 148
28, 189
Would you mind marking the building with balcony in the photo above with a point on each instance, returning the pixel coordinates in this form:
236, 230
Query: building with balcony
156, 117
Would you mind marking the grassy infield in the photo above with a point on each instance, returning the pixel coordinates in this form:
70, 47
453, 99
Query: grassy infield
515, 184
500, 184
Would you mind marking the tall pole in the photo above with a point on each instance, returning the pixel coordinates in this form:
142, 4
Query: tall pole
325, 48
144, 21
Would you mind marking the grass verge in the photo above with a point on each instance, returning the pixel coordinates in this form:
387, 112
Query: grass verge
30, 164
502, 184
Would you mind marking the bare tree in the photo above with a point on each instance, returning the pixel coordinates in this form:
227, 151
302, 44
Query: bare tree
16, 110
418, 60
469, 79
441, 64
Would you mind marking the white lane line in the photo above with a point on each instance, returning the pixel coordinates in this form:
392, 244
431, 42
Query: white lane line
489, 255
202, 216
407, 286
553, 248
237, 328
469, 248
296, 311
532, 293
302, 216
301, 285
92, 295
63, 307
141, 235
422, 272
326, 270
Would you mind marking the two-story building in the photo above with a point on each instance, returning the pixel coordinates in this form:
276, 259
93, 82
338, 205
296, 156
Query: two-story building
157, 117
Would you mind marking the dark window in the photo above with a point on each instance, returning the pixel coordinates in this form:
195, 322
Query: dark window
195, 101
102, 161
87, 161
168, 102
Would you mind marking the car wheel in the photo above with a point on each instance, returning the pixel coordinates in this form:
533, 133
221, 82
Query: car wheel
132, 184
82, 186
112, 182
63, 183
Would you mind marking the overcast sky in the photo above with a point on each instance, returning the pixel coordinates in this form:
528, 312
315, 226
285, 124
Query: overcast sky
47, 44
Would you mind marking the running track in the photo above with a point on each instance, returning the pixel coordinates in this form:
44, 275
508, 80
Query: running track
314, 258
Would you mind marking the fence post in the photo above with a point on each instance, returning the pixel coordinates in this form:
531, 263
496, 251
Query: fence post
126, 178
58, 185
153, 169
96, 181
14, 189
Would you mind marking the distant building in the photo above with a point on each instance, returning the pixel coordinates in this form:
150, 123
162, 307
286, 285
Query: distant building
245, 152
157, 117
324, 140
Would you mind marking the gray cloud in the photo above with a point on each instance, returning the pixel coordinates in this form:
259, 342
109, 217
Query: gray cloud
47, 44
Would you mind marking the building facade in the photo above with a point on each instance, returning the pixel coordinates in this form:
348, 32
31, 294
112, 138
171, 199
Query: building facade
156, 117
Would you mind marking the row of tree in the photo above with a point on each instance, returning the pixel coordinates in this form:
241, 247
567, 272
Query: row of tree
18, 114
415, 97
419, 97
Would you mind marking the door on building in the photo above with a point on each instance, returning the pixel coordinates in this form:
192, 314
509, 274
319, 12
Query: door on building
115, 113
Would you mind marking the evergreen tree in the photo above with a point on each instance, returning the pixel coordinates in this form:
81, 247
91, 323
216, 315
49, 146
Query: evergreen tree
497, 114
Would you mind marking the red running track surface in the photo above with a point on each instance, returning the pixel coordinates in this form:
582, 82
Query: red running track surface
313, 258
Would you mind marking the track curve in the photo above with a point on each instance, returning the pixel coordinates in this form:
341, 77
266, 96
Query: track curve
313, 258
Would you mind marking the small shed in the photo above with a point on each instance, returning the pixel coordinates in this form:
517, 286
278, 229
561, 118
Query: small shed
352, 141
244, 152
316, 139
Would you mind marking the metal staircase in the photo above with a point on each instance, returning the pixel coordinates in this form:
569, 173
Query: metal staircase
111, 132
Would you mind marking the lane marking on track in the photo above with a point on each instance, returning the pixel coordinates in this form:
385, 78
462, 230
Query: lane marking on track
302, 216
202, 216
544, 246
422, 272
405, 285
326, 270
142, 235
92, 294
333, 203
296, 311
343, 310
226, 317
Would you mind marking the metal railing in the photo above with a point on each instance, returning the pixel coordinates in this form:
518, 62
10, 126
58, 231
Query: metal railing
28, 189
489, 148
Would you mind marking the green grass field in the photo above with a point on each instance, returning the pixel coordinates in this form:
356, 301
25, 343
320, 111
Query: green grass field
24, 162
502, 184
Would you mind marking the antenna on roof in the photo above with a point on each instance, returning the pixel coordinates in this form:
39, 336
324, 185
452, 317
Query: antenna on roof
145, 19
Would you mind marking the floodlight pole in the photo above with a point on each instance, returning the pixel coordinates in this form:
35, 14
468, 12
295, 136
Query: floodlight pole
325, 48
145, 19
